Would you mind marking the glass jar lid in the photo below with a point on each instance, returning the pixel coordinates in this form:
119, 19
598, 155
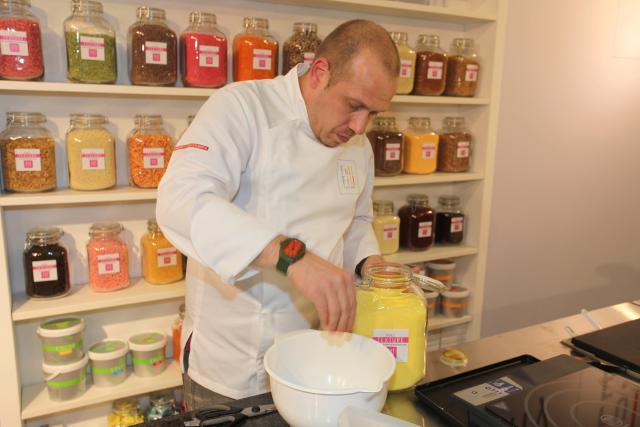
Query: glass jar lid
383, 207
387, 275
429, 40
87, 119
144, 12
82, 6
255, 23
16, 3
199, 18
44, 235
104, 229
305, 27
420, 122
418, 199
24, 118
152, 226
449, 201
148, 119
462, 43
384, 122
453, 122
399, 37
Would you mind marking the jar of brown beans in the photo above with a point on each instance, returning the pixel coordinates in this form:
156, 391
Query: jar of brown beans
454, 150
463, 68
301, 46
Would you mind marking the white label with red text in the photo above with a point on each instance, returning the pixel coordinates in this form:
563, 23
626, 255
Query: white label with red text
153, 158
209, 56
167, 257
14, 43
471, 73
434, 71
308, 57
457, 224
463, 149
92, 48
390, 232
396, 341
262, 59
392, 151
109, 263
28, 160
424, 229
428, 151
44, 271
92, 159
405, 68
155, 53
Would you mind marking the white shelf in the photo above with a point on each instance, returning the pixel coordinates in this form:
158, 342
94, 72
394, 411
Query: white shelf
439, 100
434, 178
435, 252
68, 197
436, 323
36, 402
83, 299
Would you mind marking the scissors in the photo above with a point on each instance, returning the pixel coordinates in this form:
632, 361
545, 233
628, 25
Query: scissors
221, 414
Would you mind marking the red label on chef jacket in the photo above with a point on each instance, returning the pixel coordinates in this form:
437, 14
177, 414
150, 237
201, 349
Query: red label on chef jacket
44, 271
109, 263
434, 71
471, 73
167, 257
463, 149
395, 340
428, 151
405, 68
153, 158
457, 224
424, 229
392, 151
390, 232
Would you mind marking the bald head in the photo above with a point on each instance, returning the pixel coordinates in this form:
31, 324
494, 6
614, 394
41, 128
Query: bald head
351, 38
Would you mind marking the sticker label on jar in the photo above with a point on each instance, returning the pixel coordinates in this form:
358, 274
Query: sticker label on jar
396, 341
153, 158
167, 257
155, 53
92, 48
392, 151
463, 149
262, 59
457, 224
405, 68
308, 57
471, 73
28, 160
14, 43
109, 263
428, 151
44, 271
347, 177
92, 158
390, 232
424, 229
209, 56
434, 71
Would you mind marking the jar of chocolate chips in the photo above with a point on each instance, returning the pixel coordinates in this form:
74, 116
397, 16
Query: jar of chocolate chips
454, 149
301, 46
46, 263
463, 68
387, 143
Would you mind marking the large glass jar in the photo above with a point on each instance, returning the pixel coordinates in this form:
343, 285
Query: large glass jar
416, 223
420, 147
20, 42
107, 257
387, 145
91, 44
431, 66
301, 47
161, 261
203, 52
91, 153
407, 62
462, 68
386, 226
150, 148
176, 332
454, 150
28, 154
153, 49
125, 413
449, 220
255, 51
46, 263
391, 309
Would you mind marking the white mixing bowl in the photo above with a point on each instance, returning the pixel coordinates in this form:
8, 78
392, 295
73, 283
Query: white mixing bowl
316, 375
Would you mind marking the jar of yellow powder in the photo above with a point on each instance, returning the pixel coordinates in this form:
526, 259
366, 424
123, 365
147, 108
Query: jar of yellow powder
420, 147
386, 226
161, 261
407, 62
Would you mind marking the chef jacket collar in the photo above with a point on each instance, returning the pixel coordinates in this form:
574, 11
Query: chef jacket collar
298, 106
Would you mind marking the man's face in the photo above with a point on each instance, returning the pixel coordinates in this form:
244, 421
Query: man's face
344, 108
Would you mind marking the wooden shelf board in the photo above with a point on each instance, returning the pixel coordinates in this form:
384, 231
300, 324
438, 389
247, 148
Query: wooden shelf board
434, 178
436, 323
440, 100
435, 252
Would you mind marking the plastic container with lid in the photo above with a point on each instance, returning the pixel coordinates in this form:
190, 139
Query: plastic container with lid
203, 52
387, 143
301, 47
431, 298
449, 220
62, 340
108, 362
153, 49
150, 148
66, 382
431, 66
91, 153
416, 223
91, 44
176, 332
20, 42
386, 226
407, 62
463, 68
455, 301
125, 413
161, 261
420, 147
161, 404
454, 149
107, 257
28, 154
442, 269
148, 353
255, 51
46, 263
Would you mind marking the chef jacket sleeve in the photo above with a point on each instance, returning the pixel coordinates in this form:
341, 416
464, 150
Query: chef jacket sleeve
194, 208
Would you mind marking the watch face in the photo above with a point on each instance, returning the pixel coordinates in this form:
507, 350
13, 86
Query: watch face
292, 248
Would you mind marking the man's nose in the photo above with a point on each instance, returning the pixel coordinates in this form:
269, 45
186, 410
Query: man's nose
358, 122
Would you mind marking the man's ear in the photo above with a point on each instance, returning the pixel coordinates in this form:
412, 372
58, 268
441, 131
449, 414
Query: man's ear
319, 73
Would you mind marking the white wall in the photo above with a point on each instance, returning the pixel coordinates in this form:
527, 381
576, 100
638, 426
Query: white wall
565, 229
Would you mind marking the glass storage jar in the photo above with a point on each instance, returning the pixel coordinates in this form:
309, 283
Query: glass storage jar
407, 62
150, 148
91, 153
203, 52
28, 154
301, 47
387, 145
153, 49
125, 413
255, 51
420, 147
46, 263
20, 42
416, 223
449, 220
454, 149
386, 226
431, 66
107, 257
463, 68
161, 261
176, 333
91, 44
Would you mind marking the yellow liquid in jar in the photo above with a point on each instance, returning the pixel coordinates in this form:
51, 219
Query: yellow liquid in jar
407, 69
387, 231
420, 152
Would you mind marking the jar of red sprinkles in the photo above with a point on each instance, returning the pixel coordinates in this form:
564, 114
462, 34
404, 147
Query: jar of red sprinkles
107, 257
20, 42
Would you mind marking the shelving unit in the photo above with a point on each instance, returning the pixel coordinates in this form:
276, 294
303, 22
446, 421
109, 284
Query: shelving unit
152, 306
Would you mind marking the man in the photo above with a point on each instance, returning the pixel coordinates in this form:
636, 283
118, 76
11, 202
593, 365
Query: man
266, 168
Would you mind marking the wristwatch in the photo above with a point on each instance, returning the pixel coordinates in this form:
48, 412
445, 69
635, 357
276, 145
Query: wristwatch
291, 251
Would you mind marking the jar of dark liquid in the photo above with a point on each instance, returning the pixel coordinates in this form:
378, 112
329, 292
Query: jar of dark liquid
416, 223
449, 220
46, 263
387, 145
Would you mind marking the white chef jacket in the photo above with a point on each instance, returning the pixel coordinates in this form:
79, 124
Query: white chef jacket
247, 169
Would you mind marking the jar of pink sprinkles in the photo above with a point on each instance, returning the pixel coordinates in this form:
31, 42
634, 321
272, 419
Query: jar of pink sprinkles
107, 257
